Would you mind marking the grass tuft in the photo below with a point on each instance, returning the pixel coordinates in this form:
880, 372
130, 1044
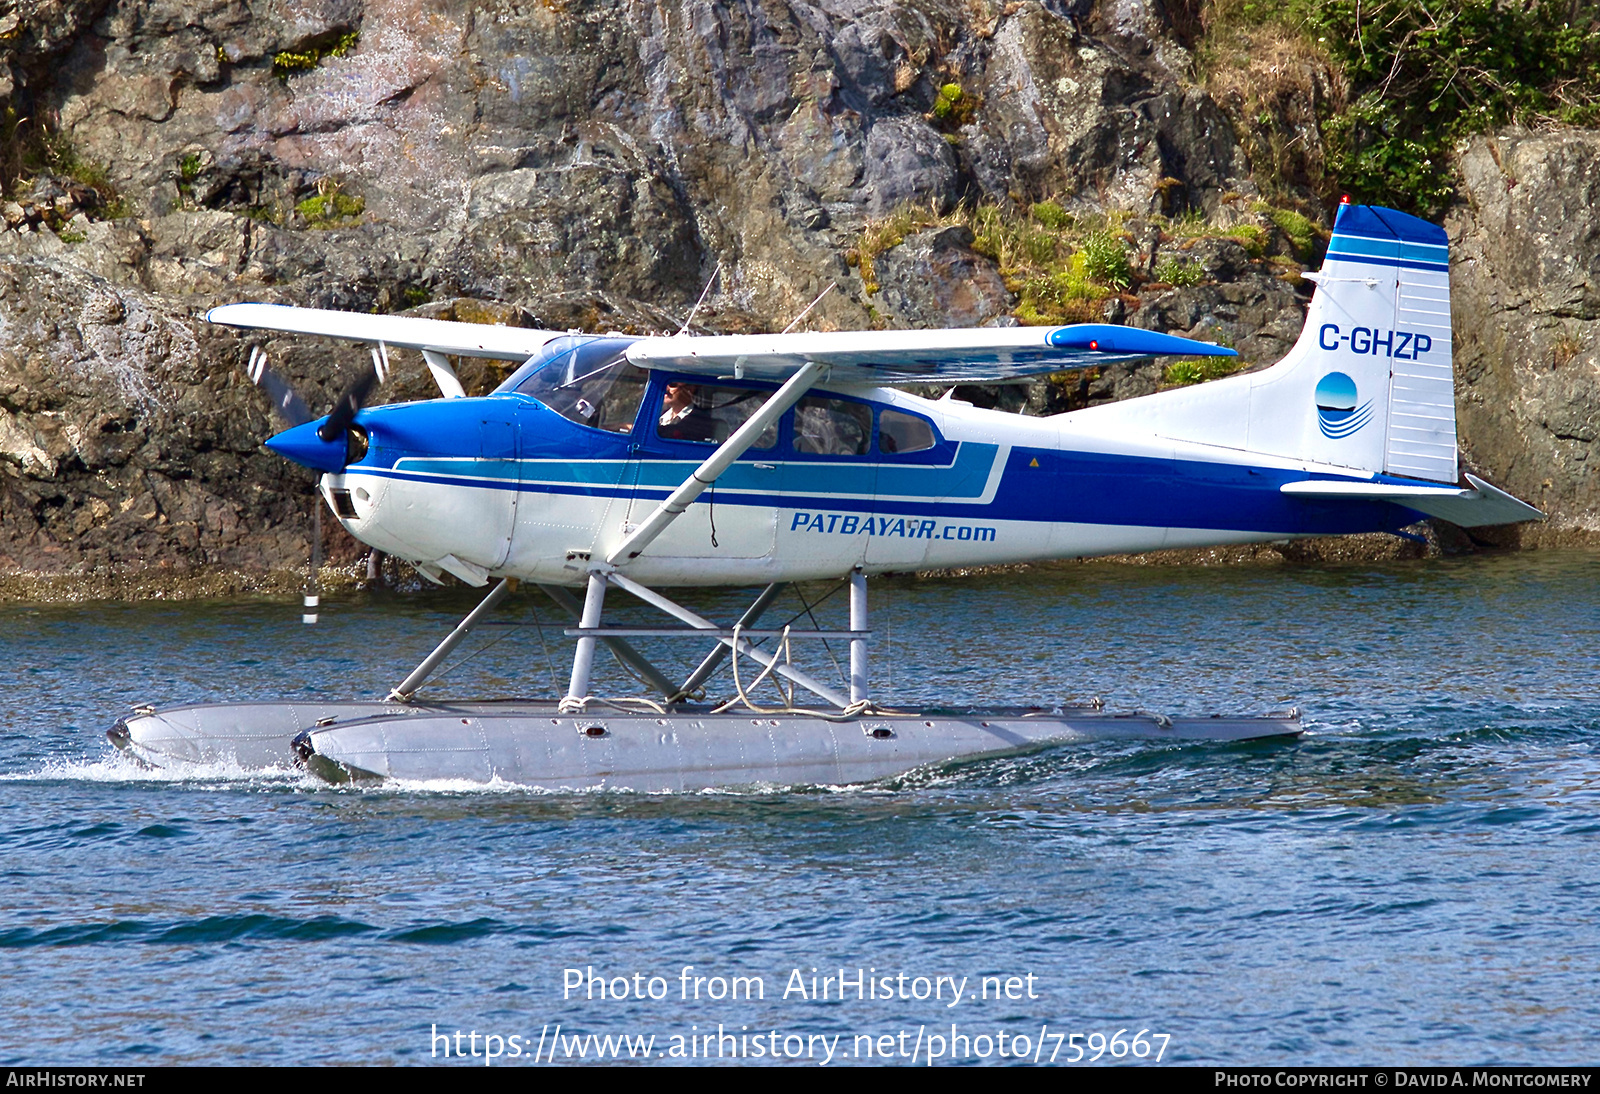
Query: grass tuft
1061, 267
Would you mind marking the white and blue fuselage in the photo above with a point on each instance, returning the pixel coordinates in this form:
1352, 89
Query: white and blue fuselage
1353, 431
509, 486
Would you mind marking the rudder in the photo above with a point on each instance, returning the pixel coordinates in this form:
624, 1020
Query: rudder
1410, 260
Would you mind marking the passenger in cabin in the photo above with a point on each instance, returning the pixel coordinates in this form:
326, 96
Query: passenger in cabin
681, 418
832, 427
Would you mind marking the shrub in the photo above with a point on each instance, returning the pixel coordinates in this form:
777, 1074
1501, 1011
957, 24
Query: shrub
1425, 73
1177, 271
1106, 260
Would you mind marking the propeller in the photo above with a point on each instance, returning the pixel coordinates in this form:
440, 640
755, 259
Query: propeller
335, 444
286, 401
292, 410
355, 396
338, 441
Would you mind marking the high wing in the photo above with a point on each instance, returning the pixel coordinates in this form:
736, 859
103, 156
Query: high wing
438, 336
969, 355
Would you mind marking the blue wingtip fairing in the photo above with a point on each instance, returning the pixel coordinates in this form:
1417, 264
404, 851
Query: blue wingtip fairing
1105, 338
302, 445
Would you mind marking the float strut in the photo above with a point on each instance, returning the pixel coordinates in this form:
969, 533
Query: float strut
858, 646
656, 600
408, 687
624, 650
751, 614
594, 602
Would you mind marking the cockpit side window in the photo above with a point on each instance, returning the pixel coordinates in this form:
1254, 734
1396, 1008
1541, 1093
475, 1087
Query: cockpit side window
704, 412
585, 380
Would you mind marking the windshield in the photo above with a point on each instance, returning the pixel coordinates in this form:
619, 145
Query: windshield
585, 380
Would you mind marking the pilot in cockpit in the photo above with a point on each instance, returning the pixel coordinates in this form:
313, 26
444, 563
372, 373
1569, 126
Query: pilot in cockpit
681, 418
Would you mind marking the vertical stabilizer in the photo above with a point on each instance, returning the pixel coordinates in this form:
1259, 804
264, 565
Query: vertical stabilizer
1369, 383
1409, 334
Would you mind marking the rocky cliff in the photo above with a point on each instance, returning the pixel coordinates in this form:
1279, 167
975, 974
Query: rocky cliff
573, 163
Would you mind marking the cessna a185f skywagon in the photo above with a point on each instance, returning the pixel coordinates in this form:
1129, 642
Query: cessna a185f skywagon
619, 464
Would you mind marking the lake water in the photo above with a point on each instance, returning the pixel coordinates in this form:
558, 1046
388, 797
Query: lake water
1416, 880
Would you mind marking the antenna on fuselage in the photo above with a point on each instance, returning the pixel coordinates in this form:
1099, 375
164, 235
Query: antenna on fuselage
831, 286
703, 292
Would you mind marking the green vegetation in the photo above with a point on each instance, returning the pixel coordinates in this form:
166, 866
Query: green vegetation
414, 296
1061, 267
29, 148
954, 107
333, 44
189, 167
331, 209
1051, 215
1428, 72
1105, 260
1178, 271
1194, 225
1402, 83
1197, 370
1301, 233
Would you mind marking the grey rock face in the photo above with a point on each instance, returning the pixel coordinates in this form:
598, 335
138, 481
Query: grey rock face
1259, 314
1526, 296
595, 146
933, 279
128, 437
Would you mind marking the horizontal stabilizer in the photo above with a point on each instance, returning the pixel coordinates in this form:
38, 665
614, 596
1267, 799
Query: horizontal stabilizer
406, 332
1477, 506
967, 355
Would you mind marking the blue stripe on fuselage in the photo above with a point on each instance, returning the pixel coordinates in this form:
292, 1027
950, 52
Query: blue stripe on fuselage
1066, 487
448, 437
965, 477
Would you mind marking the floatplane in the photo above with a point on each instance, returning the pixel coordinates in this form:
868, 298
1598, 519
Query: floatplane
610, 464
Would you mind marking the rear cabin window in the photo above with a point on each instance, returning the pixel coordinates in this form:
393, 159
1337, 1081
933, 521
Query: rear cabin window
901, 433
832, 427
703, 412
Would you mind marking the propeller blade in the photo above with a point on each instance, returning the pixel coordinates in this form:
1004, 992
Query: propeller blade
286, 402
352, 400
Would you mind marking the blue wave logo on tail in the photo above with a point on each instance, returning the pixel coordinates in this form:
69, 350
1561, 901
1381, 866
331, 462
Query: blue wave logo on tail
1337, 412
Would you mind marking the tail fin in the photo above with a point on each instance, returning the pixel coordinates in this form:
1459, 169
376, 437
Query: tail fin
1369, 383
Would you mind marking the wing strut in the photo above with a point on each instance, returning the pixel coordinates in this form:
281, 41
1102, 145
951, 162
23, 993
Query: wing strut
718, 462
443, 375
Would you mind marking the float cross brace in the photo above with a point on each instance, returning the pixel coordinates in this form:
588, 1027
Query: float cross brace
583, 658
